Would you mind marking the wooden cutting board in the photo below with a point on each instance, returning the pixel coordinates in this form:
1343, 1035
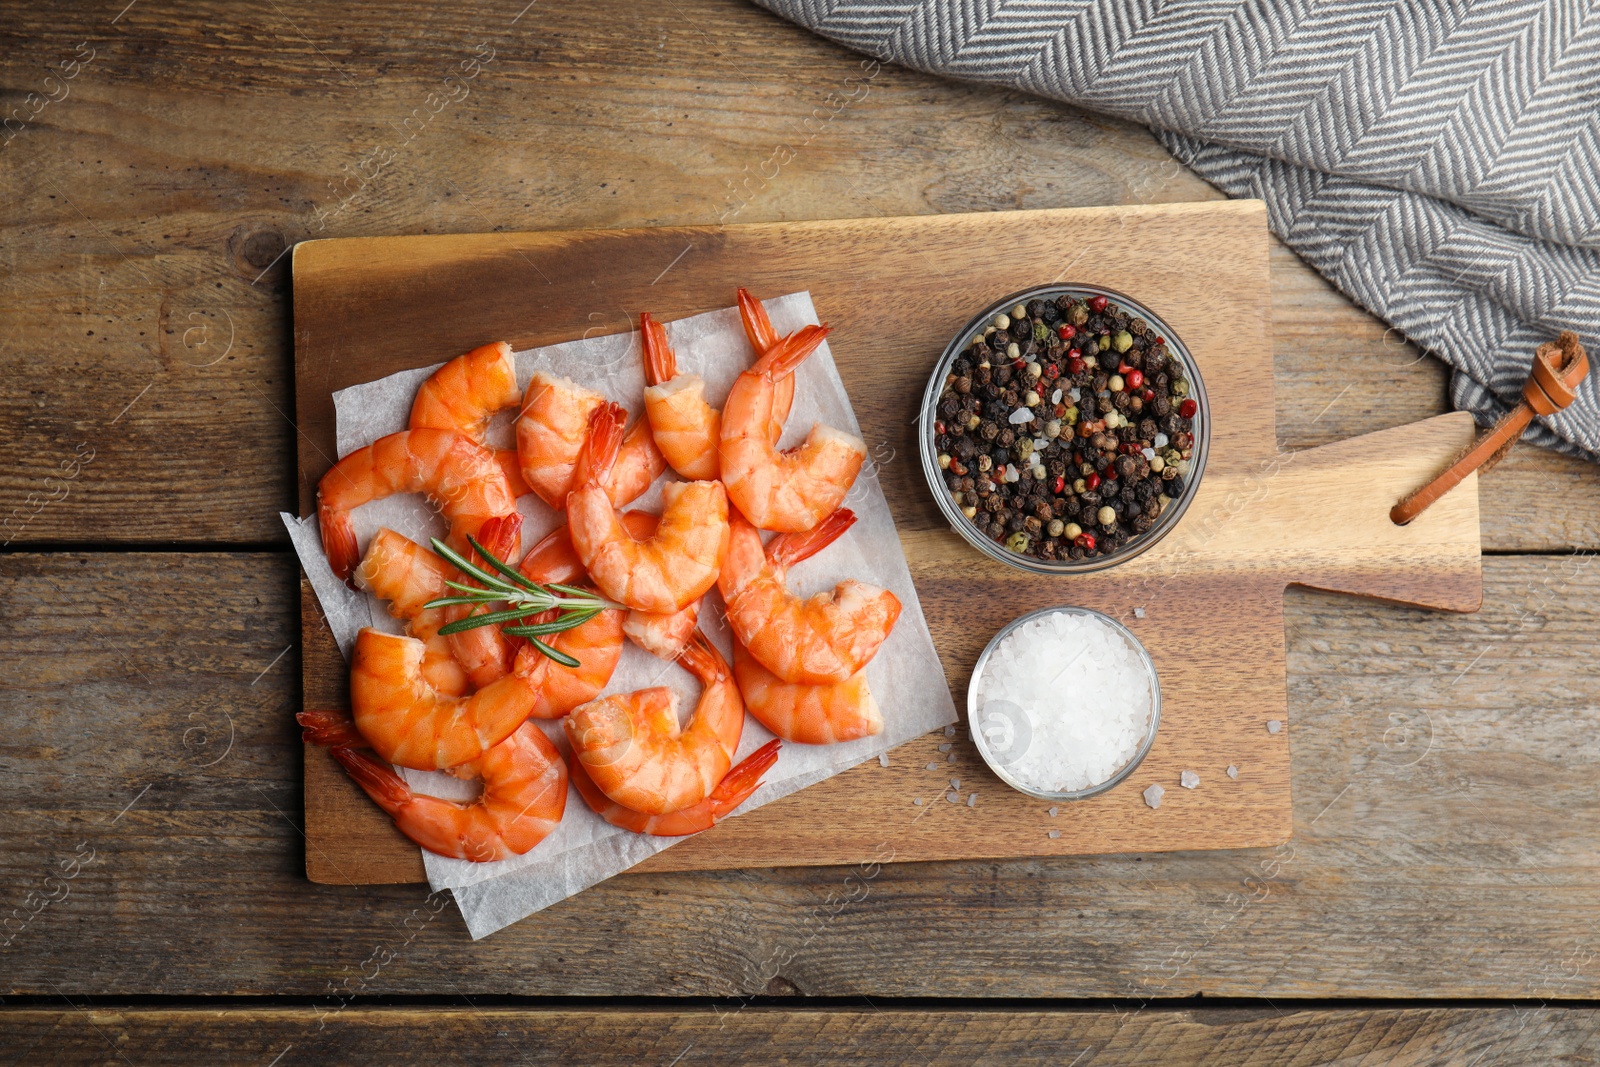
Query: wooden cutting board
1207, 601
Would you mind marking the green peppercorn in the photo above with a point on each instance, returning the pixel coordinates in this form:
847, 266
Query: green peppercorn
1018, 543
1180, 387
1040, 331
1122, 341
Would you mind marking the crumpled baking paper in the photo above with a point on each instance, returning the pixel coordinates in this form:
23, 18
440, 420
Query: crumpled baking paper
906, 676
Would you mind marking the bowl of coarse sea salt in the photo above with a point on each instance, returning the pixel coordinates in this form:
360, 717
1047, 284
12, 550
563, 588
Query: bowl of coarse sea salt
1064, 703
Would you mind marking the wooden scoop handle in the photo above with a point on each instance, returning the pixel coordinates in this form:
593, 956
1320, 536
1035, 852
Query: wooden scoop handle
1558, 367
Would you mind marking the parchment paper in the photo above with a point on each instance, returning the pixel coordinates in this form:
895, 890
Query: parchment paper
906, 676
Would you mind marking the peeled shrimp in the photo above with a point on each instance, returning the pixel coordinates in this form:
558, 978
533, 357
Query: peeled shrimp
551, 428
665, 572
524, 797
789, 490
410, 723
633, 748
817, 641
555, 560
465, 393
456, 473
596, 644
809, 714
687, 429
407, 575
732, 791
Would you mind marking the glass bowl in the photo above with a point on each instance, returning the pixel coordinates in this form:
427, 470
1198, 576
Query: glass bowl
935, 476
1002, 734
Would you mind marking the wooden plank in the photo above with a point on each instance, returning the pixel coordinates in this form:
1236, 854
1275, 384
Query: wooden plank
1276, 1036
142, 213
1258, 522
1446, 815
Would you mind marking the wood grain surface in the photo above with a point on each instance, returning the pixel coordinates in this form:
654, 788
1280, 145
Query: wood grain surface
1446, 814
1209, 595
1446, 810
1258, 1037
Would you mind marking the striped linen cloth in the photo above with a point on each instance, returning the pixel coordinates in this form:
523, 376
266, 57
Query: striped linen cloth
1437, 160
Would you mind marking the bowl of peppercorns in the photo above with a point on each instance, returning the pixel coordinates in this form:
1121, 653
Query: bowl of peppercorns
1064, 429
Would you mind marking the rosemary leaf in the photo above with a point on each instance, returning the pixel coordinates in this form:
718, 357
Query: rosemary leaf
510, 572
560, 657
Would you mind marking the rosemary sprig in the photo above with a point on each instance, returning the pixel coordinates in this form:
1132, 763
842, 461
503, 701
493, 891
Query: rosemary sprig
509, 586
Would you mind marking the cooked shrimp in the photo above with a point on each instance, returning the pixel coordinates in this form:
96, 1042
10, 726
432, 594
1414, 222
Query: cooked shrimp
465, 393
551, 428
407, 575
687, 429
596, 644
809, 714
732, 791
458, 475
410, 723
665, 572
524, 797
789, 490
817, 641
555, 560
635, 751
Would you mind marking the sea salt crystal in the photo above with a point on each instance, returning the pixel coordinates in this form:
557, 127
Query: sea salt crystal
1054, 812
1054, 834
932, 767
1075, 394
1055, 397
1138, 613
945, 747
883, 759
955, 783
950, 758
972, 801
1077, 693
1153, 795
1148, 453
953, 798
1273, 726
949, 731
1012, 474
1160, 440
1019, 416
917, 802
1233, 772
1189, 780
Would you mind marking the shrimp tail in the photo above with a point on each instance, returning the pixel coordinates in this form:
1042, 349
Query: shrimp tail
501, 536
332, 729
601, 447
736, 787
785, 550
757, 326
384, 786
701, 658
660, 364
781, 360
339, 543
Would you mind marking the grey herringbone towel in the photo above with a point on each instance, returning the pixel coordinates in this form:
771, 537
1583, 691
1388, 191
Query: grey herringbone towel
1437, 160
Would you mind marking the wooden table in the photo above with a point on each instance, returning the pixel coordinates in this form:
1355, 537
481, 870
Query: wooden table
154, 905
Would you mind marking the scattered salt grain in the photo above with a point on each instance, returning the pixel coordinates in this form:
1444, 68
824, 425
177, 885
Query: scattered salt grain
917, 802
972, 801
1273, 726
955, 783
1148, 453
950, 758
949, 731
1189, 780
1233, 772
1153, 795
1160, 440
1054, 834
1138, 613
1054, 812
945, 747
1074, 394
1076, 692
953, 798
883, 759
1019, 416
932, 767
1055, 397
